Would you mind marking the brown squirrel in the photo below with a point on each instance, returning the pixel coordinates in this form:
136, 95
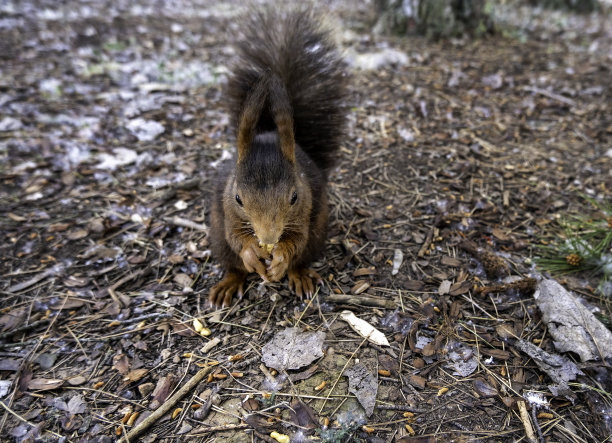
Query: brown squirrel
269, 214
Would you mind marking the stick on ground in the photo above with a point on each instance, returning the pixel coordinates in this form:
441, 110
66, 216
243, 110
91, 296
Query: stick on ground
158, 413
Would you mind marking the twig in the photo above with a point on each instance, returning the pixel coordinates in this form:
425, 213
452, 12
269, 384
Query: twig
185, 223
526, 422
230, 427
524, 286
26, 284
534, 416
158, 413
545, 93
426, 244
24, 327
360, 300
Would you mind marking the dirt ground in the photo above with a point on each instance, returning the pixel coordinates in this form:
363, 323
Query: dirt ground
460, 158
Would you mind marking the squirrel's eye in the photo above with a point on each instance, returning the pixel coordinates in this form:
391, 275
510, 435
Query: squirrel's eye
238, 200
294, 198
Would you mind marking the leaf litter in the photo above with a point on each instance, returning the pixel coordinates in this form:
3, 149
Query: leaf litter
459, 158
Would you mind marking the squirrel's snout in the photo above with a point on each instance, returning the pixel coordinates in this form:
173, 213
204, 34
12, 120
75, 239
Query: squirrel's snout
268, 236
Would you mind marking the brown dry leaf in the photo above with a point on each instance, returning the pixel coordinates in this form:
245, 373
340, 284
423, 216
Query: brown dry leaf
76, 282
67, 303
417, 381
460, 288
78, 234
182, 329
496, 353
58, 227
484, 389
413, 285
162, 390
135, 375
121, 364
304, 374
303, 415
450, 261
499, 234
44, 384
12, 319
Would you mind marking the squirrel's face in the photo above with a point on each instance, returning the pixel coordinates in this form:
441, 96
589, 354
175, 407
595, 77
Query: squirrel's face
268, 213
268, 193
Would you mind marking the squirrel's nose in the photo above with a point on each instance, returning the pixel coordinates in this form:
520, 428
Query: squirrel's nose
268, 238
267, 235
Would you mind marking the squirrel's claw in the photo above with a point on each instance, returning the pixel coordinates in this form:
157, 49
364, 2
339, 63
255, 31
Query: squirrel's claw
222, 293
301, 281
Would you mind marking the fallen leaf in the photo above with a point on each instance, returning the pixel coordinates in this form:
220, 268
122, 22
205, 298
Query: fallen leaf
293, 349
135, 375
162, 391
364, 385
560, 369
44, 384
365, 329
573, 327
303, 415
483, 389
121, 364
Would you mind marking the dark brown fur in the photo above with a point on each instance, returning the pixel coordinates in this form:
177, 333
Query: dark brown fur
286, 104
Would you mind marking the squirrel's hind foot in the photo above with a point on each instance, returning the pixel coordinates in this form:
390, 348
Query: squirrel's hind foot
222, 293
301, 281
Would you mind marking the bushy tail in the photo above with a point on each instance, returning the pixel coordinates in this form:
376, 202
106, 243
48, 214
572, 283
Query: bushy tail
292, 46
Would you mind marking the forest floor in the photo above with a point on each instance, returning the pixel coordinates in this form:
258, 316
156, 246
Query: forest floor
462, 160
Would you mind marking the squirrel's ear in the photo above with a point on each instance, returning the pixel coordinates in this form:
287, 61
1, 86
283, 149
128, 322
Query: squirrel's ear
251, 112
283, 118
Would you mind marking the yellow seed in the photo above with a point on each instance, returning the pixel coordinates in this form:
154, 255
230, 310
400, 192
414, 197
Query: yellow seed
205, 332
384, 372
114, 323
546, 415
213, 363
133, 418
320, 386
367, 429
326, 422
237, 374
197, 325
280, 438
409, 429
98, 385
196, 406
126, 417
176, 412
118, 431
266, 395
187, 355
235, 357
210, 378
408, 414
442, 391
266, 246
220, 376
436, 309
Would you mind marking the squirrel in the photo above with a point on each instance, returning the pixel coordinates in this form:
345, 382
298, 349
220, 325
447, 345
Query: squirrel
286, 93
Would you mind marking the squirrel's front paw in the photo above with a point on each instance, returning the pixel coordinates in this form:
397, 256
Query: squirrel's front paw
280, 262
251, 256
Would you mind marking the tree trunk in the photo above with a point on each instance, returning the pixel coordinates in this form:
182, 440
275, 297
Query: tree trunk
433, 18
